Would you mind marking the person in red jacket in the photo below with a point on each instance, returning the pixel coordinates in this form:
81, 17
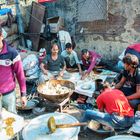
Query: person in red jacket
10, 68
114, 109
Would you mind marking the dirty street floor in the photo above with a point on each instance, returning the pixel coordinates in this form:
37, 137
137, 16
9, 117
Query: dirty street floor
86, 135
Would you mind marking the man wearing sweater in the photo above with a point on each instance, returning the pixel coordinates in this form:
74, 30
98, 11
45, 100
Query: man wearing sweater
10, 68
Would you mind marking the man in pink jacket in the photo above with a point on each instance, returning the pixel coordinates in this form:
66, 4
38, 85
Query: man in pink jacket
89, 61
10, 68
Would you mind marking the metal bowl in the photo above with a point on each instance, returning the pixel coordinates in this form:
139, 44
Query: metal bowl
86, 86
57, 98
99, 129
30, 105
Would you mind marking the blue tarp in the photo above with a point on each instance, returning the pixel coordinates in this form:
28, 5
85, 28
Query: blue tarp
4, 11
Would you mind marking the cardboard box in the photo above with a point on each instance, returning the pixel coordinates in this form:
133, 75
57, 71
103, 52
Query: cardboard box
55, 23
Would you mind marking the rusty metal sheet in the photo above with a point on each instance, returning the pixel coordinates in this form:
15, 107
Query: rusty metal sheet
36, 21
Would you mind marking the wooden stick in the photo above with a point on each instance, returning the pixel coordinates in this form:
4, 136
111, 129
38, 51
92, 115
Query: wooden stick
70, 125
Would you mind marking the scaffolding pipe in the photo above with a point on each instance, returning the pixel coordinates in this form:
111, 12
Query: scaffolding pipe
20, 23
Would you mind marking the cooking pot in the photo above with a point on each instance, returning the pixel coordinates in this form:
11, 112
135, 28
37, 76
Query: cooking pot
56, 98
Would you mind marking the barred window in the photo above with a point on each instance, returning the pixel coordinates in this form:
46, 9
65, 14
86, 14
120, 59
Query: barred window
90, 10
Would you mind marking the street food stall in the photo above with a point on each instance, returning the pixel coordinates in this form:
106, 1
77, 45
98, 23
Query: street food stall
56, 92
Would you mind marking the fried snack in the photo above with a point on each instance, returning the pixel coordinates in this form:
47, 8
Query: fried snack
9, 131
94, 125
9, 121
55, 89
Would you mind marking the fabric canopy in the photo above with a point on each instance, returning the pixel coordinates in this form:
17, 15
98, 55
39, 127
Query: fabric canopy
41, 1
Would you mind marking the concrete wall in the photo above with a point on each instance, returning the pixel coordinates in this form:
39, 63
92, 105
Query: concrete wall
108, 36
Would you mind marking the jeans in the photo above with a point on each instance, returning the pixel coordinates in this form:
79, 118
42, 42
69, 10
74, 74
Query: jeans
134, 103
112, 120
9, 102
129, 91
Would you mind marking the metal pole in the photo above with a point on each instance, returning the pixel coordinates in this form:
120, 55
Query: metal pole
20, 23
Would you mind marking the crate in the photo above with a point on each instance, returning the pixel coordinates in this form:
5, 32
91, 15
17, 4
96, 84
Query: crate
55, 24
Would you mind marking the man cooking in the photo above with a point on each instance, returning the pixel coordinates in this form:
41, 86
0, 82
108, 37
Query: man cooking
52, 64
89, 61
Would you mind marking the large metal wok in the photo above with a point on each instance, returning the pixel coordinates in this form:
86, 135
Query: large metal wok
56, 98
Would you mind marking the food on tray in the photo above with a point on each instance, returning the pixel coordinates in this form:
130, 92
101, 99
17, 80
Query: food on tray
92, 76
94, 125
54, 89
9, 121
9, 131
8, 128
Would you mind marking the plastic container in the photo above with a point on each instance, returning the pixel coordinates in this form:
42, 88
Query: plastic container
98, 84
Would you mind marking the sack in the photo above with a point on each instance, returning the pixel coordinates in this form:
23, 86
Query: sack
30, 62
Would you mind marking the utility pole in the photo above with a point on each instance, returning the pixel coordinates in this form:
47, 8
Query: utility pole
20, 23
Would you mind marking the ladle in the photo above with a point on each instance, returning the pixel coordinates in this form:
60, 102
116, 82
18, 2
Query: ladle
53, 126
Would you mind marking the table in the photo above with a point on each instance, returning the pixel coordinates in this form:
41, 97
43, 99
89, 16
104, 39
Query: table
17, 125
75, 78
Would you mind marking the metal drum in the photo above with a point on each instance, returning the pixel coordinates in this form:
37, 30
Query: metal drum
37, 129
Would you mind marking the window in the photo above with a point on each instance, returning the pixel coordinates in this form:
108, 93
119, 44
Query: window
90, 10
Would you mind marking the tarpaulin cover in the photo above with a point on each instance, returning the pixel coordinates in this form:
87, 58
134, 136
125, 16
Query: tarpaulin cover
41, 1
4, 11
